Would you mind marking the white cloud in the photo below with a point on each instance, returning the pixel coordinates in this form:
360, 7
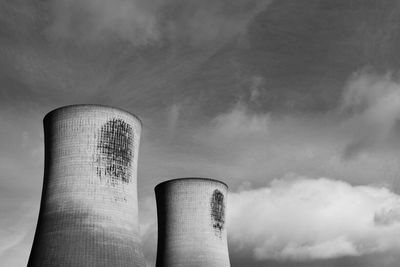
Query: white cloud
303, 218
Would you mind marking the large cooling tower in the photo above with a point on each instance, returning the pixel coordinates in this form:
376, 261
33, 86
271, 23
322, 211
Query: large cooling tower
89, 212
191, 223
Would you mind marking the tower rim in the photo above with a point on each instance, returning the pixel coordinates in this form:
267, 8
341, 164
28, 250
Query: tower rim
159, 185
51, 112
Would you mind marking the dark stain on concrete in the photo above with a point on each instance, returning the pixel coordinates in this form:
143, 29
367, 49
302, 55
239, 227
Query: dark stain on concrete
217, 212
115, 153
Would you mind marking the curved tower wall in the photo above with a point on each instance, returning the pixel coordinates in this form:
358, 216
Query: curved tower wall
191, 223
89, 212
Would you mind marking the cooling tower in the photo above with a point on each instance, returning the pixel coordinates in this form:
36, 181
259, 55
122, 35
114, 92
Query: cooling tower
191, 223
89, 213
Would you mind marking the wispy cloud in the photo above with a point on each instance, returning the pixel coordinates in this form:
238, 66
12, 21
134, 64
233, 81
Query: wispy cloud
372, 102
240, 122
148, 229
16, 234
146, 22
94, 21
241, 144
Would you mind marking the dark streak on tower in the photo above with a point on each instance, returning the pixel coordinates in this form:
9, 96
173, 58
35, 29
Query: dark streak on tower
115, 153
218, 211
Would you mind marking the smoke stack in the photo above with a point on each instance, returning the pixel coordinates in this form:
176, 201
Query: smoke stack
89, 212
191, 223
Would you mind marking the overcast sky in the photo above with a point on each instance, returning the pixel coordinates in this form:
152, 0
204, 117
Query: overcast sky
294, 104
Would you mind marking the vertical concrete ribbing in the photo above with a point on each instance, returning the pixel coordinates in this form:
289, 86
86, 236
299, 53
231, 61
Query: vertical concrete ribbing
89, 212
191, 223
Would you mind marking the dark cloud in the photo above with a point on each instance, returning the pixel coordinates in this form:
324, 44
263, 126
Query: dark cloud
149, 22
305, 51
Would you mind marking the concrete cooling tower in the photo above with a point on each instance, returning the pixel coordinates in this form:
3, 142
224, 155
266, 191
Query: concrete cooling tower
191, 223
89, 212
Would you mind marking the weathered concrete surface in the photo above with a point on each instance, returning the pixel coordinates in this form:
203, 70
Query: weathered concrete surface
191, 223
89, 212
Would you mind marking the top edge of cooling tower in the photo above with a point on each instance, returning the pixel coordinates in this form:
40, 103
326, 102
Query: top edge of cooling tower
79, 106
189, 179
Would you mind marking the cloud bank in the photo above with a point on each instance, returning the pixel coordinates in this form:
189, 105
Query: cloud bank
314, 219
302, 219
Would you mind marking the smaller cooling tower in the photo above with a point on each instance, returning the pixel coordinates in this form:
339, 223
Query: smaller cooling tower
191, 223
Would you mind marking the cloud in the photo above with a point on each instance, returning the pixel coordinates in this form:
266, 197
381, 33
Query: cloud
16, 233
257, 84
373, 103
146, 22
240, 122
205, 21
307, 219
173, 118
93, 20
148, 229
245, 145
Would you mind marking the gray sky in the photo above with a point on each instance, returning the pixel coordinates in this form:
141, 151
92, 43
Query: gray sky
294, 104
